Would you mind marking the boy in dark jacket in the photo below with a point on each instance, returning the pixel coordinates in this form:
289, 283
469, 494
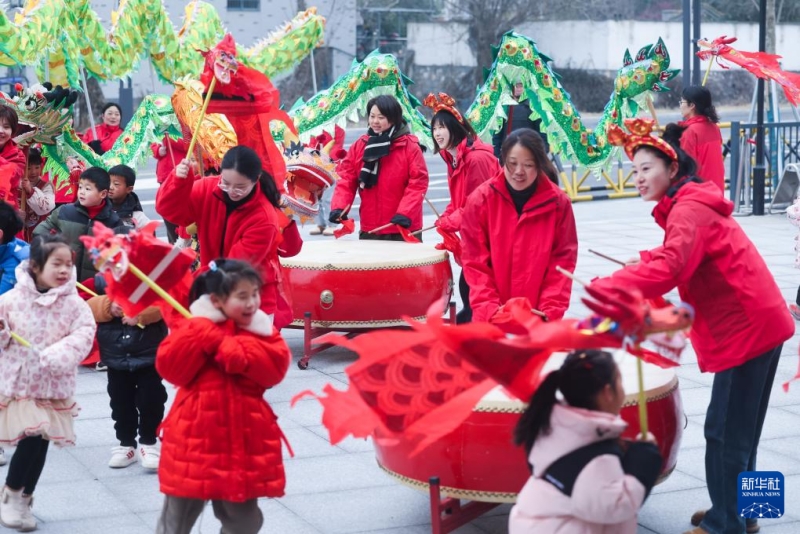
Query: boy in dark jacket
124, 201
128, 348
76, 219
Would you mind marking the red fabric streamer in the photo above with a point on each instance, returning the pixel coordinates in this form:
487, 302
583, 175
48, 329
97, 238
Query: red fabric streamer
407, 236
348, 227
451, 243
761, 64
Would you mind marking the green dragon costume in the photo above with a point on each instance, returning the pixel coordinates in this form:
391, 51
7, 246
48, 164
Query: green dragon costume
67, 34
517, 60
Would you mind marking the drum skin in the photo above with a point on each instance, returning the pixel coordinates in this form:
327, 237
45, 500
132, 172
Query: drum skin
479, 462
354, 285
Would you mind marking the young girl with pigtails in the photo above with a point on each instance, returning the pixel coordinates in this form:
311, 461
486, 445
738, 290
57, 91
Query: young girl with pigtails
221, 441
584, 478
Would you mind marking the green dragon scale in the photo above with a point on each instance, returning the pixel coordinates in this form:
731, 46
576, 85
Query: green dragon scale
517, 59
67, 34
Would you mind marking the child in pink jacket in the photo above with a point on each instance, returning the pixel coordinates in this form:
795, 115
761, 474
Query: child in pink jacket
585, 479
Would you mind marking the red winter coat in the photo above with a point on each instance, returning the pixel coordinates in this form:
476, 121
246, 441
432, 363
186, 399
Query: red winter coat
401, 187
739, 310
250, 233
702, 140
221, 439
12, 169
106, 134
176, 151
476, 163
505, 255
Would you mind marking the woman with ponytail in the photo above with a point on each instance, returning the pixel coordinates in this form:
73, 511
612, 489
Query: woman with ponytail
238, 216
741, 319
584, 478
701, 138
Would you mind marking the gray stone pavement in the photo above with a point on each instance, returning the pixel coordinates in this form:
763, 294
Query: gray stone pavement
340, 489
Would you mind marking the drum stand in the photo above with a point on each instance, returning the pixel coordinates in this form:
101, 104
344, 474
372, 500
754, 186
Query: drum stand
311, 334
448, 514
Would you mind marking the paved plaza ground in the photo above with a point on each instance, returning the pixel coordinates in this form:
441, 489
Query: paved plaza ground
338, 490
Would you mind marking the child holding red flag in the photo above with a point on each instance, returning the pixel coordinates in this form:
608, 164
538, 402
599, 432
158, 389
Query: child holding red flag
221, 441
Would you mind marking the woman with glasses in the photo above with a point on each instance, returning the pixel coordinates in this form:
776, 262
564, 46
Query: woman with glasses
701, 138
387, 169
516, 229
237, 217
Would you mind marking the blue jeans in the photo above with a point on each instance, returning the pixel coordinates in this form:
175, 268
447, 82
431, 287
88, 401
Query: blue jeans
739, 400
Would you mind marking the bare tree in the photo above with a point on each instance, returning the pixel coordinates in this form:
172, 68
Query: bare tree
98, 101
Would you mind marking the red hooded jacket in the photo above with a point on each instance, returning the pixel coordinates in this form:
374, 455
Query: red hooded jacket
702, 140
106, 134
250, 232
506, 255
401, 187
176, 151
476, 163
12, 169
739, 311
221, 439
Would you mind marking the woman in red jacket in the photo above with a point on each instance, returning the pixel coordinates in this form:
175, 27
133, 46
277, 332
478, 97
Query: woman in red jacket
701, 139
470, 162
221, 441
741, 319
516, 229
107, 132
387, 169
12, 159
236, 215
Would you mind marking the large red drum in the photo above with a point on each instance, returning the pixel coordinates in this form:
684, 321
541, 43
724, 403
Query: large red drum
352, 285
479, 462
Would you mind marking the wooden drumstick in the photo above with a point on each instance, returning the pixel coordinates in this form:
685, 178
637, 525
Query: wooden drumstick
423, 230
609, 258
378, 229
430, 204
571, 276
537, 312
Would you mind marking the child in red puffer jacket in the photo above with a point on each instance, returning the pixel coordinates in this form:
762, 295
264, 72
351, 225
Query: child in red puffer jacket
221, 441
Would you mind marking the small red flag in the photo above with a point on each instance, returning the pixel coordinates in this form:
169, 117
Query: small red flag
408, 237
348, 227
451, 243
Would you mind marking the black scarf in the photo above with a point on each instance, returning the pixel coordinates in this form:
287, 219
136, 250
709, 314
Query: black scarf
377, 147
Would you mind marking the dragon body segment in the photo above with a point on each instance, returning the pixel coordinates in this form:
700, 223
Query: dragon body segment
519, 60
67, 34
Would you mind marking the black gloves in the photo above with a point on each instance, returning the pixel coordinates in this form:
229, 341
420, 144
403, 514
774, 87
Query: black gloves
401, 220
643, 461
95, 145
336, 216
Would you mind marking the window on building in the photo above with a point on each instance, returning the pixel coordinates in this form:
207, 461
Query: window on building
244, 5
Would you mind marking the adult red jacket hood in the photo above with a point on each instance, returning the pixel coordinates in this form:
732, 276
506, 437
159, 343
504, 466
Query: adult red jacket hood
475, 163
12, 169
107, 135
221, 439
250, 232
739, 311
506, 255
702, 140
401, 187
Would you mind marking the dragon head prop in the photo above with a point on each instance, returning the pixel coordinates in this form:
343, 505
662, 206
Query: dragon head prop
43, 112
220, 62
309, 172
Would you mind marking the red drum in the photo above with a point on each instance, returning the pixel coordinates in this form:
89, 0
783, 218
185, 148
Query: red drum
352, 285
479, 462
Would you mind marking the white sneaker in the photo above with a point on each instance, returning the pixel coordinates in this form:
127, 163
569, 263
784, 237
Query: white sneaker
10, 508
3, 459
28, 523
149, 456
122, 457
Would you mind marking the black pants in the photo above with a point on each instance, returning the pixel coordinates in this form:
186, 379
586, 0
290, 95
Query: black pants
465, 315
27, 464
384, 237
137, 404
797, 300
172, 232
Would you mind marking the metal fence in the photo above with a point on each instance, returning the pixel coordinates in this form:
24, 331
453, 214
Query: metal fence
782, 147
